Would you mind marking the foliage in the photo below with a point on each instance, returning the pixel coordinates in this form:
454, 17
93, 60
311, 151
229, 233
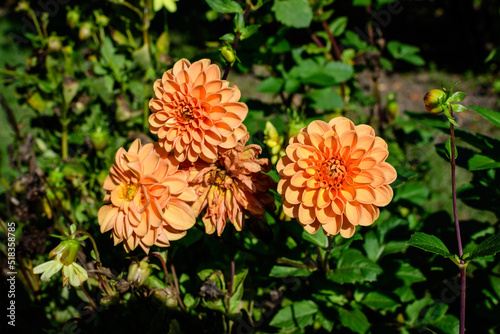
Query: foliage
75, 83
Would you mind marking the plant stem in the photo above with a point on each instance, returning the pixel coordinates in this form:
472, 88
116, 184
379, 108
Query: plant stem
167, 275
338, 53
457, 226
235, 43
91, 301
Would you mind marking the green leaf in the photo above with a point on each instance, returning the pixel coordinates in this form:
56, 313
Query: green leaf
353, 39
379, 301
340, 72
479, 162
457, 97
224, 6
284, 271
337, 27
490, 246
325, 99
372, 247
271, 85
92, 254
293, 13
409, 274
458, 108
413, 310
355, 320
354, 267
234, 302
490, 115
448, 149
248, 31
448, 324
361, 3
405, 52
429, 243
299, 314
229, 37
319, 239
405, 294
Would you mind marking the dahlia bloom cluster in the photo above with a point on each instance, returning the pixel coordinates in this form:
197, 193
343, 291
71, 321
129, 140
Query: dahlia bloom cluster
200, 162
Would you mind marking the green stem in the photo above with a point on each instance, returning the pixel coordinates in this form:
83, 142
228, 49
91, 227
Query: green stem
37, 26
94, 245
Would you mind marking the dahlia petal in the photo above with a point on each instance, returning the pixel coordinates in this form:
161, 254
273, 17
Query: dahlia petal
365, 177
338, 206
312, 228
318, 127
367, 163
325, 215
303, 138
228, 142
195, 69
213, 86
365, 195
383, 195
370, 214
105, 217
188, 195
333, 227
224, 129
176, 185
212, 72
172, 234
299, 180
217, 113
353, 212
341, 125
237, 94
226, 94
208, 152
170, 86
289, 209
317, 141
313, 183
347, 230
348, 138
200, 79
306, 215
349, 193
199, 92
162, 240
378, 177
389, 172
179, 215
118, 228
323, 198
155, 105
308, 197
379, 154
364, 129
109, 184
232, 120
180, 65
116, 195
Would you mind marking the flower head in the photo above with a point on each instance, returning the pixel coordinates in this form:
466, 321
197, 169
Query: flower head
334, 176
195, 113
231, 187
148, 196
65, 256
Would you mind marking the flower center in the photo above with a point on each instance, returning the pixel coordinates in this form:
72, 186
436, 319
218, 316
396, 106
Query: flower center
332, 173
129, 191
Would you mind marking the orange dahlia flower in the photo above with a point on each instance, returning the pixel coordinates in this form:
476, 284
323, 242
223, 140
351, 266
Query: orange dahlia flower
195, 113
334, 176
232, 187
148, 196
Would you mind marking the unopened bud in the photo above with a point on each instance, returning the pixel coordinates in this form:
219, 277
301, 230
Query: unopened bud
434, 101
228, 53
138, 273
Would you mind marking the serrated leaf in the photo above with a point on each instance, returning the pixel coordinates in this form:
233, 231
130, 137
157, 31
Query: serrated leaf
448, 324
413, 310
354, 267
490, 246
293, 13
224, 6
299, 314
429, 243
490, 115
355, 320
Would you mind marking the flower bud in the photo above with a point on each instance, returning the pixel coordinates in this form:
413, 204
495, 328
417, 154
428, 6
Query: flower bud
138, 273
54, 44
228, 54
85, 31
66, 251
72, 18
434, 101
99, 139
